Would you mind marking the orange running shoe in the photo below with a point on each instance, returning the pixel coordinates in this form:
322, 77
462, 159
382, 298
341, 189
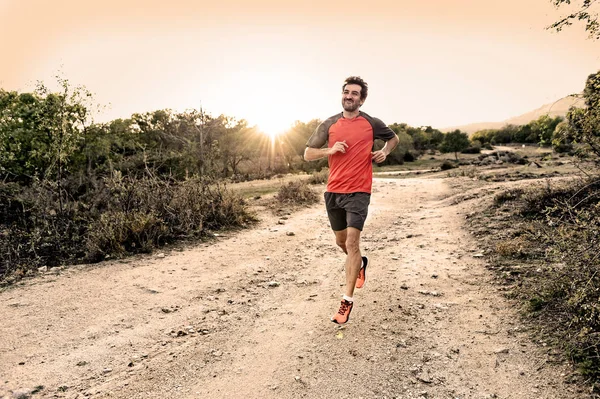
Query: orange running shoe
343, 315
362, 274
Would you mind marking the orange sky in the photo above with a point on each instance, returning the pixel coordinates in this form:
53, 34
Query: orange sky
435, 62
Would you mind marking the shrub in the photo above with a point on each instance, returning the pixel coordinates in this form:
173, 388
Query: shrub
471, 150
563, 148
563, 228
37, 233
508, 195
513, 248
123, 215
147, 213
297, 192
319, 177
409, 157
118, 233
470, 172
447, 165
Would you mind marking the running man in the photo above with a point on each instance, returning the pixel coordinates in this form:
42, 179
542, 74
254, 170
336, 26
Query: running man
350, 136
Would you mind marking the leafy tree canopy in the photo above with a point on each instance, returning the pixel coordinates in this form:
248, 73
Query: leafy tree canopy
583, 11
455, 142
582, 124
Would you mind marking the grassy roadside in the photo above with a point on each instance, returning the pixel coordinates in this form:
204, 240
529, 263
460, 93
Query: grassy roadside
543, 243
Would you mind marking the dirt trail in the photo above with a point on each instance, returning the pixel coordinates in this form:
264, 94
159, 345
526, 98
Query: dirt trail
248, 316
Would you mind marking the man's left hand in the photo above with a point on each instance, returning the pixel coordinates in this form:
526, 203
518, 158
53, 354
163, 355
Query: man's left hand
378, 156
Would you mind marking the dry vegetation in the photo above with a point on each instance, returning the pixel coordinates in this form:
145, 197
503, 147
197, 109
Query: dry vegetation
543, 239
127, 216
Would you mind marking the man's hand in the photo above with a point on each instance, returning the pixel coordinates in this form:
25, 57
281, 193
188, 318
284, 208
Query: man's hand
378, 156
339, 146
312, 154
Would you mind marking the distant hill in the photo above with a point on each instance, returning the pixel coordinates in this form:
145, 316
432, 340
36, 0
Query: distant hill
557, 108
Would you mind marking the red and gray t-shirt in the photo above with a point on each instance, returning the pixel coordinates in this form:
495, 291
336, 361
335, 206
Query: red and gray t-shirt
352, 171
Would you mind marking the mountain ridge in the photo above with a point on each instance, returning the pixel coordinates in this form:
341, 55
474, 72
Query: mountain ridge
559, 107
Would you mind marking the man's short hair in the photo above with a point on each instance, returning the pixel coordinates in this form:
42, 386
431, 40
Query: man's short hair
357, 80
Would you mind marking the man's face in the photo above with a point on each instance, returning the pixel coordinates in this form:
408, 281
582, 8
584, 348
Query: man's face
351, 100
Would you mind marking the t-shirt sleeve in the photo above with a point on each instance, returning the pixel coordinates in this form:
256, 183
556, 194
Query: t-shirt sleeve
319, 137
381, 130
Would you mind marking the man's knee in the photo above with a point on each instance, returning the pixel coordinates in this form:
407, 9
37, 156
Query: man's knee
352, 244
340, 239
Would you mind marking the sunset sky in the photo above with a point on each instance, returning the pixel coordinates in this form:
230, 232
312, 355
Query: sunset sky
272, 62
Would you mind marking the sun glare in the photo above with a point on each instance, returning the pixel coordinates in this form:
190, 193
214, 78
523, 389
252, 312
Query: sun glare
269, 106
273, 127
270, 132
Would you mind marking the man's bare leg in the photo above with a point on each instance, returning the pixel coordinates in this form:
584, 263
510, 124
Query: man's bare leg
349, 241
340, 239
353, 259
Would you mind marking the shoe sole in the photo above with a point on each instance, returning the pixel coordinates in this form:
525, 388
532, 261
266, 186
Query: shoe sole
340, 324
364, 267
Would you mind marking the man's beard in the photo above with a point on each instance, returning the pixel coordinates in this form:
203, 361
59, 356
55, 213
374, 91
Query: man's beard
350, 106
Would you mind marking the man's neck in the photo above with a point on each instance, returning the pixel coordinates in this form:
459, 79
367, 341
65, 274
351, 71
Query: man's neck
351, 115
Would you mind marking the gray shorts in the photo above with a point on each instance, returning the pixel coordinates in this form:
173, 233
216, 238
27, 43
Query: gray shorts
347, 210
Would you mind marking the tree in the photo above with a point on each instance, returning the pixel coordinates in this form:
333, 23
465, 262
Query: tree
583, 124
41, 134
236, 144
293, 143
583, 12
436, 137
544, 127
486, 136
455, 142
396, 157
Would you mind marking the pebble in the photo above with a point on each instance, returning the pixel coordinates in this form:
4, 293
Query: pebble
432, 293
425, 378
22, 394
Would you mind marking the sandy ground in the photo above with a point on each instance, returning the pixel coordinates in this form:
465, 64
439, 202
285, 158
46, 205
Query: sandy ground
248, 316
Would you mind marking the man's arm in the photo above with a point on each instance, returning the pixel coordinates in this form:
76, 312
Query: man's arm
312, 154
381, 155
